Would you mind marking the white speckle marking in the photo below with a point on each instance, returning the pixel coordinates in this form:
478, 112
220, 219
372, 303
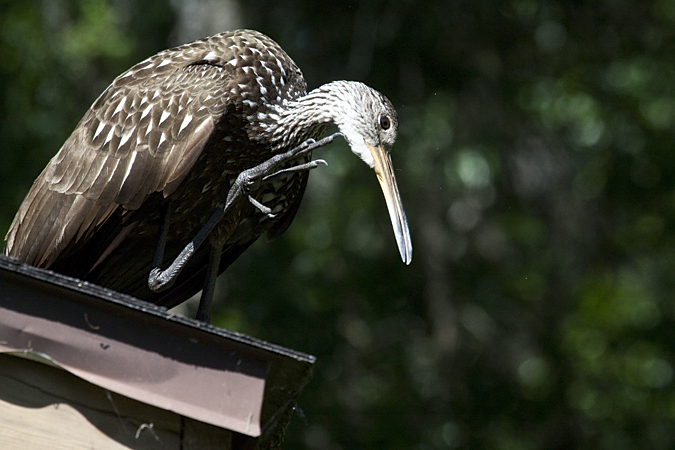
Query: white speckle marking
146, 111
123, 76
120, 107
211, 56
111, 171
186, 122
110, 135
125, 138
281, 66
162, 138
100, 128
144, 64
165, 115
129, 166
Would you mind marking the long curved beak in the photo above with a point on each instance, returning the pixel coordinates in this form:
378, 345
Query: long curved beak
385, 175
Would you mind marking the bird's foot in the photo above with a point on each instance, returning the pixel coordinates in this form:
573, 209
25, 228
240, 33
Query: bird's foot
262, 208
160, 280
250, 179
306, 166
300, 167
247, 181
253, 176
312, 144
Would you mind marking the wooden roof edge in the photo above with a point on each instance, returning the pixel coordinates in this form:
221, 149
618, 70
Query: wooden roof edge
66, 284
143, 351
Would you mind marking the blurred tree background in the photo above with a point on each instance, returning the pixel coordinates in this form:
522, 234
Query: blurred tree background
536, 165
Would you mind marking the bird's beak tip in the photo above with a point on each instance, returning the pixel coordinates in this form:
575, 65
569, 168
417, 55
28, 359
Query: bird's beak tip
385, 175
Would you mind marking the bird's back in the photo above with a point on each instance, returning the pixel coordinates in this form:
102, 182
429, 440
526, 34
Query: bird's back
175, 129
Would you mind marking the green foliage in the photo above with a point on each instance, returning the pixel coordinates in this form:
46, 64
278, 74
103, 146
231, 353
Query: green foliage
535, 160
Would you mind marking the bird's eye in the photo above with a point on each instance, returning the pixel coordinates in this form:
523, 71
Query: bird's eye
385, 122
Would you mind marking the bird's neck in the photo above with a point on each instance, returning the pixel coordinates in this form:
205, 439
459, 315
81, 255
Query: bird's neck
294, 121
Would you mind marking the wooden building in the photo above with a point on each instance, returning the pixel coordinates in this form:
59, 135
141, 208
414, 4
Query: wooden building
83, 367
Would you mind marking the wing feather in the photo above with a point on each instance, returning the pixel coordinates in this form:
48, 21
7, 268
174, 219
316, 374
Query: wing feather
44, 223
87, 179
149, 182
77, 208
93, 219
136, 139
133, 179
197, 139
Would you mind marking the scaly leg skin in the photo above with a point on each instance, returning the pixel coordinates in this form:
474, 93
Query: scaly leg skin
165, 220
159, 280
204, 310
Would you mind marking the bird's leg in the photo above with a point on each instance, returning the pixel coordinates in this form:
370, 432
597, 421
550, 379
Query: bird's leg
306, 166
306, 147
159, 279
262, 208
164, 219
260, 173
204, 310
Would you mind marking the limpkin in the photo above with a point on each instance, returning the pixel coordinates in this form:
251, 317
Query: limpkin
226, 119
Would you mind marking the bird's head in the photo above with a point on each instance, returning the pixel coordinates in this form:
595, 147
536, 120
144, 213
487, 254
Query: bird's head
366, 118
369, 122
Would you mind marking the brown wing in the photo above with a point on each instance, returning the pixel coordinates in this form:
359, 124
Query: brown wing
142, 135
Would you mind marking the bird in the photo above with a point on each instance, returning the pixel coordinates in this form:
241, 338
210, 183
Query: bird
162, 147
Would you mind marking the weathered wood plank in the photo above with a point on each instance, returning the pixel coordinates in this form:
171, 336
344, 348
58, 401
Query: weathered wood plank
45, 407
136, 376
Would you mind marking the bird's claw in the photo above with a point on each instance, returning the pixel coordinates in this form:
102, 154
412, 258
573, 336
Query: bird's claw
264, 209
159, 280
252, 183
246, 182
306, 166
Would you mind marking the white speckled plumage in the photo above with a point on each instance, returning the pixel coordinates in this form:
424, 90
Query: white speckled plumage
179, 127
